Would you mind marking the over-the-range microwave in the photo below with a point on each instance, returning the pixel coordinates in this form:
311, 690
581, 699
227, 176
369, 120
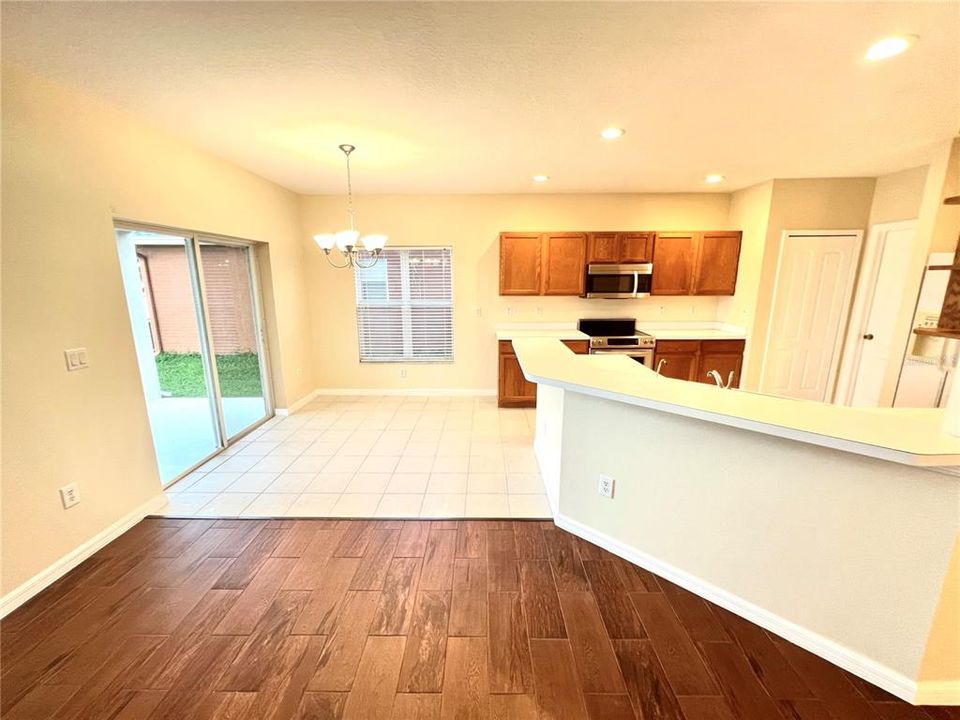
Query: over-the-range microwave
618, 280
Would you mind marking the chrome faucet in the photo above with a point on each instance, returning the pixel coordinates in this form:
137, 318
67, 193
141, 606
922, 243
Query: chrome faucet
719, 380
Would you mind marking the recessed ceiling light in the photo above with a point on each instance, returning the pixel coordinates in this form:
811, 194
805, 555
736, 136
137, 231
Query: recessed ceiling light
713, 179
888, 47
612, 133
540, 178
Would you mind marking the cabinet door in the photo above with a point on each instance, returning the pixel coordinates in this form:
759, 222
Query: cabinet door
603, 248
636, 247
515, 390
520, 263
564, 263
724, 356
718, 255
678, 365
673, 257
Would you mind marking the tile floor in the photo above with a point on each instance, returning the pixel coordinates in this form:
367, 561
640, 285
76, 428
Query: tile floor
391, 457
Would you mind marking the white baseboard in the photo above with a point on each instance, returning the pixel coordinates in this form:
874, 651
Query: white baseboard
294, 406
890, 680
938, 692
413, 392
46, 577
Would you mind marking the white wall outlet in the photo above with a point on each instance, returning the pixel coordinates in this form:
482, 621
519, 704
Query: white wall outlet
76, 359
479, 312
403, 372
539, 310
693, 309
69, 495
605, 487
662, 309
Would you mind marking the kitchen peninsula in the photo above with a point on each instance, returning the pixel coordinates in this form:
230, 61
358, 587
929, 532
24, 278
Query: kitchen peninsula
797, 515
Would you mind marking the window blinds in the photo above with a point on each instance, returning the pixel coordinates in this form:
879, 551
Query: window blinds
405, 306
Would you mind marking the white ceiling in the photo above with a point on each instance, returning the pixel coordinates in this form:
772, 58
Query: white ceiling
478, 97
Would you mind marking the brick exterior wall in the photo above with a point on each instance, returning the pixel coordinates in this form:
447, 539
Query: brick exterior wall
167, 286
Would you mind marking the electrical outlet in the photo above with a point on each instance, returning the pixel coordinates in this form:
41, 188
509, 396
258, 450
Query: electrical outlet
479, 312
69, 495
539, 310
605, 487
510, 310
403, 372
76, 359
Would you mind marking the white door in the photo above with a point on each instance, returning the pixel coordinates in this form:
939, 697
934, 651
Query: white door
873, 342
811, 301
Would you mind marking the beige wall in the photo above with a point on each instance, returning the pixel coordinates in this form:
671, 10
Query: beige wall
808, 204
853, 549
941, 658
471, 224
898, 196
71, 164
946, 229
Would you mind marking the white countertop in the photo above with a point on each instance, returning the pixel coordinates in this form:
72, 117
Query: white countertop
661, 331
557, 331
907, 436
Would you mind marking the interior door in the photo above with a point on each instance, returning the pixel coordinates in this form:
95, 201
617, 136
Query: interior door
811, 302
876, 339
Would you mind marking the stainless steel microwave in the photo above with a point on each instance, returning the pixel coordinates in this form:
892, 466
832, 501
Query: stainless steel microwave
620, 280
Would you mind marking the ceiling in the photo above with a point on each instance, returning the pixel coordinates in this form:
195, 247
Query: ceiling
478, 97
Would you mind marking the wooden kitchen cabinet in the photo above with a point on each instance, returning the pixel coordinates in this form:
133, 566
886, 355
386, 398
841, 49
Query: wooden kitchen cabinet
620, 247
674, 255
636, 247
700, 263
718, 257
520, 263
514, 390
603, 247
693, 359
579, 347
563, 260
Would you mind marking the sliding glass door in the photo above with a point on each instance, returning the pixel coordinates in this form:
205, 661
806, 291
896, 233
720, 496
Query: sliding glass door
194, 310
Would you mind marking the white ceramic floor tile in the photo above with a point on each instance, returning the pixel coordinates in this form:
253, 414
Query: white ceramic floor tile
447, 483
486, 483
256, 448
184, 483
291, 482
186, 503
414, 464
226, 504
322, 447
308, 463
274, 463
379, 464
487, 463
443, 505
521, 462
451, 464
487, 505
408, 483
529, 506
453, 447
215, 482
368, 483
313, 505
525, 483
327, 482
344, 463
269, 505
291, 448
252, 482
420, 448
356, 505
399, 505
238, 463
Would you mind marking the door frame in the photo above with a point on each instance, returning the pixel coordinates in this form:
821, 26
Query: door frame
857, 235
868, 272
195, 267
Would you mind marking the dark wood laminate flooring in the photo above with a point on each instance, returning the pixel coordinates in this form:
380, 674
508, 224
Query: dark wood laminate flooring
398, 620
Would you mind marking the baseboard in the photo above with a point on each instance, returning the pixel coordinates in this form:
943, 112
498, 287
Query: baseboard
413, 392
42, 580
938, 692
293, 407
890, 680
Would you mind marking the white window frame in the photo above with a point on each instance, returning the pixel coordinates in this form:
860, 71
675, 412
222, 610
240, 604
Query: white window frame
406, 304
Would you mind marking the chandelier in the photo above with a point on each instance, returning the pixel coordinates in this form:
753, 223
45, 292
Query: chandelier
362, 252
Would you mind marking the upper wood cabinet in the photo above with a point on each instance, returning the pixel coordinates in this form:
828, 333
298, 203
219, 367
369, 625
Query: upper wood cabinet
718, 256
542, 263
700, 263
636, 247
520, 263
674, 255
603, 247
622, 247
564, 257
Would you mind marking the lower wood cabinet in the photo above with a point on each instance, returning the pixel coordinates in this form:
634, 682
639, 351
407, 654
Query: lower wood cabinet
513, 389
693, 359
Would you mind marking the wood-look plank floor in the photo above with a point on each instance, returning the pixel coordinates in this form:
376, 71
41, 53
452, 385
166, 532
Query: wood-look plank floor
401, 620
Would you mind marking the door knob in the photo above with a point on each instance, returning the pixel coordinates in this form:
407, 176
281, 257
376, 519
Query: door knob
868, 336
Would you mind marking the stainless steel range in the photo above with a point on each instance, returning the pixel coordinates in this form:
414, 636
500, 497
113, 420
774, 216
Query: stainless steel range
619, 336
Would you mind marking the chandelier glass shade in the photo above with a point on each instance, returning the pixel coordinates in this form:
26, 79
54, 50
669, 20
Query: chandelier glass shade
355, 250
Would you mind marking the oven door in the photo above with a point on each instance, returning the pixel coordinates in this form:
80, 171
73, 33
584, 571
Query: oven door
643, 356
618, 281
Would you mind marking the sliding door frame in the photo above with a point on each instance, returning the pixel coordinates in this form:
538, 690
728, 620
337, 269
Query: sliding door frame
193, 241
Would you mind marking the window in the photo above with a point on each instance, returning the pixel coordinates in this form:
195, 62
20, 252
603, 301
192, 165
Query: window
405, 306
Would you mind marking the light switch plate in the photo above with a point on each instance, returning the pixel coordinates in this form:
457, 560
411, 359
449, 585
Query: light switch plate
69, 495
76, 359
